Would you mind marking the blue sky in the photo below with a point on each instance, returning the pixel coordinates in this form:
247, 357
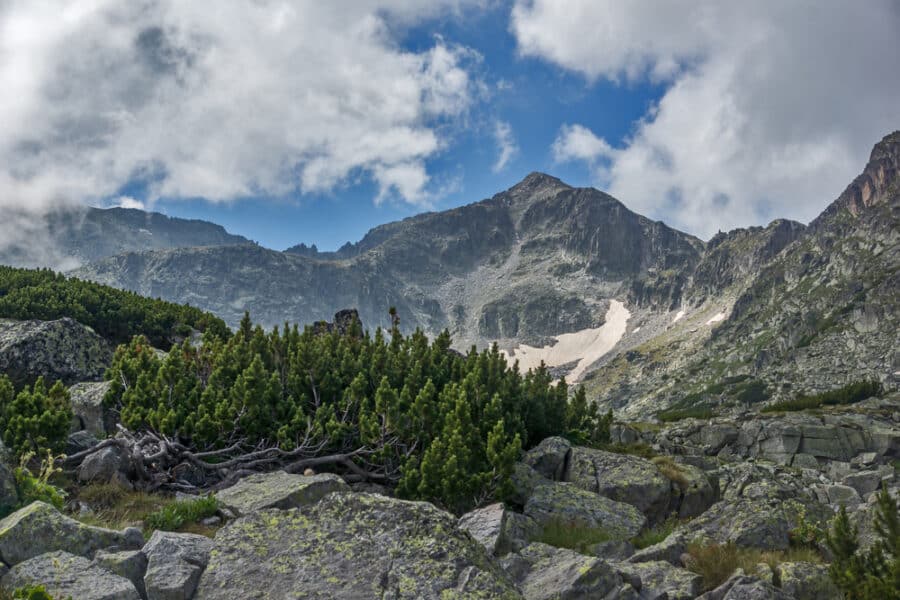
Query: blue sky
293, 121
534, 97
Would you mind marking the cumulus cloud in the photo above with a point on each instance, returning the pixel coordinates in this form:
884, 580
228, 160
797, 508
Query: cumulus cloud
247, 98
770, 108
576, 142
506, 145
129, 202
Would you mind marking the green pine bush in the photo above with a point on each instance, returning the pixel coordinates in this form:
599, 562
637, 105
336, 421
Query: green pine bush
36, 419
875, 573
450, 426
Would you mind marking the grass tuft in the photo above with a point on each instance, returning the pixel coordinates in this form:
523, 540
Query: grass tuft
655, 534
715, 563
670, 469
176, 515
574, 536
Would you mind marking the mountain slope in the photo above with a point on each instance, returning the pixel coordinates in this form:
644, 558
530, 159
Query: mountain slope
78, 236
819, 313
647, 315
539, 260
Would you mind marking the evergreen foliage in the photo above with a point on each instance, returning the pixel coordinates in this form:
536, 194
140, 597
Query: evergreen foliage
36, 419
450, 426
849, 394
114, 314
875, 573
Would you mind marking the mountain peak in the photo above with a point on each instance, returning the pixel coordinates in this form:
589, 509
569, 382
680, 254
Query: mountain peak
536, 181
877, 180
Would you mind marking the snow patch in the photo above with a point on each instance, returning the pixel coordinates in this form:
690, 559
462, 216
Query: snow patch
585, 346
716, 318
636, 329
678, 316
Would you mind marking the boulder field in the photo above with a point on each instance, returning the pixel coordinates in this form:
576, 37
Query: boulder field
578, 524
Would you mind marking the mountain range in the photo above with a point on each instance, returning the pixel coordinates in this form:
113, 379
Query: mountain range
645, 315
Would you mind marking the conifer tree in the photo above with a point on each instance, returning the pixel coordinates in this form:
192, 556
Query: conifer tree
36, 419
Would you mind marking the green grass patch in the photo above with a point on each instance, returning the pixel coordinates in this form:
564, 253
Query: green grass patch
678, 414
574, 536
176, 515
638, 449
655, 534
119, 509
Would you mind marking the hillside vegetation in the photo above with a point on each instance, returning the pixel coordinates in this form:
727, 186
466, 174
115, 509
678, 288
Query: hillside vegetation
442, 426
114, 314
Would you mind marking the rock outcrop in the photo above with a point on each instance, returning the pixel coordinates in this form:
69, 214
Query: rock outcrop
350, 545
66, 575
88, 412
39, 528
56, 350
278, 490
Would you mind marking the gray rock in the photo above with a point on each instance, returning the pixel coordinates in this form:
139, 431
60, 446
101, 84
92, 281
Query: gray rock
111, 464
670, 550
488, 526
660, 579
716, 436
612, 550
566, 504
543, 572
78, 441
39, 528
692, 492
65, 575
744, 587
754, 523
9, 496
807, 581
278, 490
498, 529
351, 545
519, 530
130, 564
549, 458
88, 412
62, 349
524, 480
623, 478
865, 458
805, 461
842, 495
864, 482
175, 562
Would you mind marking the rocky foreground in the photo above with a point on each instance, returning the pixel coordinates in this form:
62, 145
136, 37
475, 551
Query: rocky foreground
582, 522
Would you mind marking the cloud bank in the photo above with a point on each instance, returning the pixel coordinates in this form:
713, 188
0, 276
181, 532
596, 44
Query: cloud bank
770, 109
235, 99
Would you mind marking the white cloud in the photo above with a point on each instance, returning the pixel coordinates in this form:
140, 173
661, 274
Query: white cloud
770, 109
576, 142
244, 98
129, 202
506, 145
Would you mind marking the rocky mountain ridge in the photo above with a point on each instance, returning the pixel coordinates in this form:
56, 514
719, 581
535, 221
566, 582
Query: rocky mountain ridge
77, 236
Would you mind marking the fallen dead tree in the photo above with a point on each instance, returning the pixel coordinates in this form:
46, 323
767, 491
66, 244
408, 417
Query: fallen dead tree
158, 462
